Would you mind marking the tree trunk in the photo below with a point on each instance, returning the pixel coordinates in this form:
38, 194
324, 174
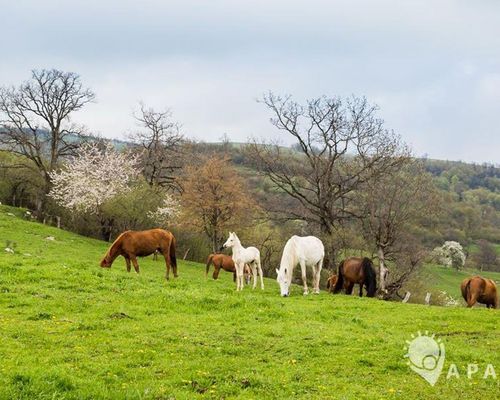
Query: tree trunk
330, 260
383, 271
106, 229
214, 244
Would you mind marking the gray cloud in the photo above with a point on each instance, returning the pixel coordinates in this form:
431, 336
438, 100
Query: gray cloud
432, 66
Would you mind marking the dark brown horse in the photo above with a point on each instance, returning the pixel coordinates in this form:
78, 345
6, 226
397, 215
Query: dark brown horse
133, 244
225, 262
479, 290
356, 270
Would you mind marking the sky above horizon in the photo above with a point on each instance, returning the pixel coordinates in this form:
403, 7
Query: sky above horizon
433, 67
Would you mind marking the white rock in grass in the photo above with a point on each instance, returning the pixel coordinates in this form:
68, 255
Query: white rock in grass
11, 215
9, 250
50, 238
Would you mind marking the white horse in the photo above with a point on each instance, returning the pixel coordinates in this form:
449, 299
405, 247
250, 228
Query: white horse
306, 251
242, 256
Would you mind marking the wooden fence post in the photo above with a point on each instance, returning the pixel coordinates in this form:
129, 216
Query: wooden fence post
407, 297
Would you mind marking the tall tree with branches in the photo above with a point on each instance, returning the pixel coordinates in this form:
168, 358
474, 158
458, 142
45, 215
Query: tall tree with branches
342, 144
391, 205
35, 119
159, 142
216, 199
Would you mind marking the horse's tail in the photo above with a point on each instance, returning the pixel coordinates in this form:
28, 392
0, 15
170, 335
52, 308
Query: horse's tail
370, 277
468, 292
209, 261
173, 258
340, 281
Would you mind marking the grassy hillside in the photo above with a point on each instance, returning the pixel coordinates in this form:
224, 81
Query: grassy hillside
449, 280
71, 330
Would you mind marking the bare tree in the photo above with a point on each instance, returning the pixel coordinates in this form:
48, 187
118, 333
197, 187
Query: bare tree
342, 144
35, 119
160, 144
390, 205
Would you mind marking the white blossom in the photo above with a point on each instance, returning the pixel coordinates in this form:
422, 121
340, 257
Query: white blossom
450, 254
92, 178
168, 211
448, 300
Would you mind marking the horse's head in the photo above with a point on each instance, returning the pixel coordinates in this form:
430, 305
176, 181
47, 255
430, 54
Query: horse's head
231, 240
106, 262
332, 281
284, 281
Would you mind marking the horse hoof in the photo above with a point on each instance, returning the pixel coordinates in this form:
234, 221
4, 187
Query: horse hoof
306, 293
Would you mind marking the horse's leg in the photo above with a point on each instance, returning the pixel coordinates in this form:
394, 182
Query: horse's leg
253, 266
304, 276
349, 288
136, 265
314, 278
319, 266
127, 261
259, 267
242, 276
166, 255
238, 277
360, 290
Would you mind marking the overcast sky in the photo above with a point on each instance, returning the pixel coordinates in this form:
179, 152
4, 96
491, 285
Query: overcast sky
433, 66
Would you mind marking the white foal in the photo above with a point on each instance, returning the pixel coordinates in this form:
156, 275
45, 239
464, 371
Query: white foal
242, 256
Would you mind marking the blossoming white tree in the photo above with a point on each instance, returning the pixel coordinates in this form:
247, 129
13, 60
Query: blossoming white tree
92, 178
167, 212
450, 254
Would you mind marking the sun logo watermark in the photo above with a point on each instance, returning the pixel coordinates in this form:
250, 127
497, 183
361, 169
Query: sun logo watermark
426, 356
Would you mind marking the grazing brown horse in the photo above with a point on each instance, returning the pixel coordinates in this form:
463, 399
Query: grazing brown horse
330, 283
133, 244
480, 290
225, 262
356, 270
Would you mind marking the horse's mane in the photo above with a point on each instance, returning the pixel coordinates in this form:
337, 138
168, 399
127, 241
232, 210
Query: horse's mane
236, 237
115, 244
289, 255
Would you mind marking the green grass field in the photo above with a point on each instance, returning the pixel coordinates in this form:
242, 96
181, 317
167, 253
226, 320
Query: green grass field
449, 280
70, 330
